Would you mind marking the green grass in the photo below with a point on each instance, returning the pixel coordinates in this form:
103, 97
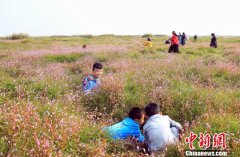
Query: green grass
61, 58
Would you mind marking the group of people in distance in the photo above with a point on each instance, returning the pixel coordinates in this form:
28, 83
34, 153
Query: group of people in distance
158, 130
177, 40
182, 38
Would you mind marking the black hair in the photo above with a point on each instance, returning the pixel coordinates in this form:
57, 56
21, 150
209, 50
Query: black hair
152, 109
149, 39
174, 33
97, 66
135, 113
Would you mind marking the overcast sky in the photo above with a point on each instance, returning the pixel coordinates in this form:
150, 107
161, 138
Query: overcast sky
74, 17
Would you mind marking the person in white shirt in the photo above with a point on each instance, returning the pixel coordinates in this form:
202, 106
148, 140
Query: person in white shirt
159, 130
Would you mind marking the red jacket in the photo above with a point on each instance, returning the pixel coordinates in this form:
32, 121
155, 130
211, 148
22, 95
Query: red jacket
174, 40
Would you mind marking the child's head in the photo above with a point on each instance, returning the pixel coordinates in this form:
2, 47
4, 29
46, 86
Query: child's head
174, 33
136, 114
152, 109
149, 39
97, 70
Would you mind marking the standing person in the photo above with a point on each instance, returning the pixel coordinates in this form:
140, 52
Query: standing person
213, 41
91, 82
174, 43
179, 38
160, 130
184, 37
195, 37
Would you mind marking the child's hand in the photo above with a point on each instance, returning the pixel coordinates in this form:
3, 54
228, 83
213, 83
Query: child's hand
180, 134
131, 139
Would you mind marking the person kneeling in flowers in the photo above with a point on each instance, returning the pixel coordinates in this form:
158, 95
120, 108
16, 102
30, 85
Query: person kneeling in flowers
148, 43
92, 81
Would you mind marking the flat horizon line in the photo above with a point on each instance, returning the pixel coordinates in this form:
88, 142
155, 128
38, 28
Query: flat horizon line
95, 35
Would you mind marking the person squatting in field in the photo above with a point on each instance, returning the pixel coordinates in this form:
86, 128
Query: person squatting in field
92, 81
148, 43
174, 43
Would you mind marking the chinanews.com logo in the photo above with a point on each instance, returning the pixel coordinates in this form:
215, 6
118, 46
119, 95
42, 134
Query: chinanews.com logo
206, 141
206, 153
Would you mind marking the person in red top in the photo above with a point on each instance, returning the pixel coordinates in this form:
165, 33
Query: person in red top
174, 43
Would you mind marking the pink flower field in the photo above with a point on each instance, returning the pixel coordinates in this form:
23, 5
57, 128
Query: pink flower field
43, 111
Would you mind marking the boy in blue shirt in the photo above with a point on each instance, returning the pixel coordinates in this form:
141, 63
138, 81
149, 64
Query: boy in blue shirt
92, 81
128, 127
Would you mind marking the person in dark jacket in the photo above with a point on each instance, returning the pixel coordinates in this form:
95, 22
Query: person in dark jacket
174, 43
195, 37
213, 41
183, 41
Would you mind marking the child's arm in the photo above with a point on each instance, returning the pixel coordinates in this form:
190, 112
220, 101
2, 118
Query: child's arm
178, 126
175, 124
86, 85
140, 138
144, 43
137, 138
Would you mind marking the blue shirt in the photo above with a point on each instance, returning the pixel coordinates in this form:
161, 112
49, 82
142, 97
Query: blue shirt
124, 129
89, 83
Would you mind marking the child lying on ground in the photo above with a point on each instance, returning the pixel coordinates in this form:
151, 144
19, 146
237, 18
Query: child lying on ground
159, 130
128, 127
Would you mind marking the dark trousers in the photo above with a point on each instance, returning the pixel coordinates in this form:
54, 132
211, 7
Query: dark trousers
213, 44
173, 48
